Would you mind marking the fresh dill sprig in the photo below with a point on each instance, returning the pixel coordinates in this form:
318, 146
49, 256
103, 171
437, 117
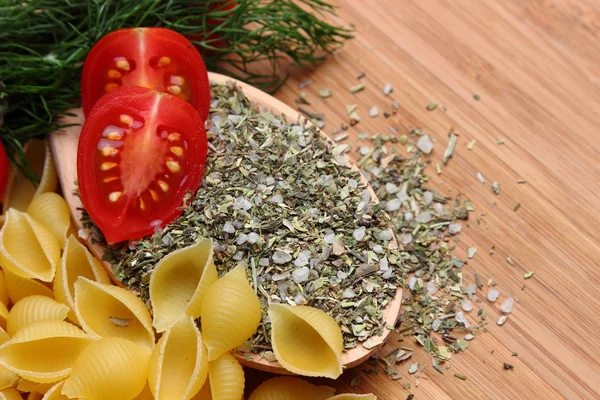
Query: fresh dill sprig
43, 44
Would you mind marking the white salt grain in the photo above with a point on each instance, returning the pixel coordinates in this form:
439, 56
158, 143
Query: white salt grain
428, 197
431, 287
359, 233
507, 305
502, 320
301, 274
493, 294
424, 144
424, 217
466, 305
393, 205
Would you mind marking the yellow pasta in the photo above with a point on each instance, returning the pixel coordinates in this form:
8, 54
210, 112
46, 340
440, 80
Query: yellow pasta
179, 363
27, 248
306, 340
288, 388
146, 394
10, 394
54, 393
179, 283
110, 368
35, 396
52, 211
226, 378
229, 303
34, 308
44, 351
25, 385
107, 310
204, 393
353, 397
18, 287
3, 316
7, 377
76, 261
19, 190
3, 289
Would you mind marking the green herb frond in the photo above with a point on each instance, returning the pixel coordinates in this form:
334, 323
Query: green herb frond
43, 44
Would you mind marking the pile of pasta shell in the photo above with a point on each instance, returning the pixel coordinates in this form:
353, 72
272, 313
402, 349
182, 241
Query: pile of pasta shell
67, 332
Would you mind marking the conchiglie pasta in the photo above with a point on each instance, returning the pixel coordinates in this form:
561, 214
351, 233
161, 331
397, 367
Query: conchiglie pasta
205, 393
145, 394
76, 261
306, 340
18, 287
35, 396
19, 190
179, 283
107, 310
10, 394
25, 385
7, 377
353, 397
54, 393
230, 302
44, 351
288, 388
226, 378
3, 316
52, 211
27, 248
32, 309
110, 368
179, 363
3, 289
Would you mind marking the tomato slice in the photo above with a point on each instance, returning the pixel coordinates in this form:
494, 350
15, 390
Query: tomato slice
139, 153
154, 58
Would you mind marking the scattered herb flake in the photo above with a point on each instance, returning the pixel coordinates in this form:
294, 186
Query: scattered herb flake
325, 93
438, 169
496, 187
508, 366
431, 106
517, 207
460, 376
510, 260
355, 381
357, 88
528, 275
450, 149
500, 141
521, 181
476, 97
471, 144
514, 354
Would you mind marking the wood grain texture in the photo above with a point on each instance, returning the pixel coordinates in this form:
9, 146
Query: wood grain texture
536, 66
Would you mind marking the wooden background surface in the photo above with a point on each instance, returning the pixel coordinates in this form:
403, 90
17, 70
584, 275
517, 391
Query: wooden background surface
536, 66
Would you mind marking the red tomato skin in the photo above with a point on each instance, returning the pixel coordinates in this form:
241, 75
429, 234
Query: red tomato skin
142, 48
120, 223
3, 170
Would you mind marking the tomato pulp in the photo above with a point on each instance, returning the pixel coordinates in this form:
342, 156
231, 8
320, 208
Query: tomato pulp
154, 58
139, 153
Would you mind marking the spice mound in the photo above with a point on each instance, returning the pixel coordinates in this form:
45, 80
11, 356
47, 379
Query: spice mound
280, 199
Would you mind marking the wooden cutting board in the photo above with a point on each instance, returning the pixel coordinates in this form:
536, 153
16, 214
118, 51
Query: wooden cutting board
535, 66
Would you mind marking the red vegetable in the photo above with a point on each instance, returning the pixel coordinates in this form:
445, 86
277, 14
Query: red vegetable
140, 152
155, 58
3, 170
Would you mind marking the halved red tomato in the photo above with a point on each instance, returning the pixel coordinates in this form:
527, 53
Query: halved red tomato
155, 58
140, 152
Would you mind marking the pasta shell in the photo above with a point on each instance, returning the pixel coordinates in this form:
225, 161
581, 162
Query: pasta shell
34, 308
27, 248
52, 211
230, 302
44, 351
179, 283
35, 396
54, 393
10, 394
7, 377
353, 397
288, 388
306, 340
19, 190
107, 310
179, 362
111, 368
76, 261
146, 394
3, 316
18, 287
25, 385
204, 393
226, 378
3, 289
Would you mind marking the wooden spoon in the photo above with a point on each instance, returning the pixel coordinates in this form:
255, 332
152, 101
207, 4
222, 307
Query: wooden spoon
64, 150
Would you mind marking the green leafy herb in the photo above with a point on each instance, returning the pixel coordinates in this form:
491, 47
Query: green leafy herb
357, 88
44, 42
460, 376
528, 275
517, 207
431, 106
450, 149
